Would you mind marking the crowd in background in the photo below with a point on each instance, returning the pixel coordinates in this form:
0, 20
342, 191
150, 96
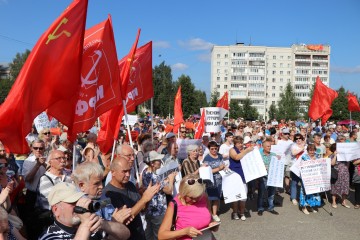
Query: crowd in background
44, 195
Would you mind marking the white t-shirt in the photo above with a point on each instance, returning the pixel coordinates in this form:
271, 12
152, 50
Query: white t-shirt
225, 149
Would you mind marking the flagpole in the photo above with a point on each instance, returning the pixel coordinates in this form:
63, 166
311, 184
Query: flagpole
113, 150
131, 143
350, 122
74, 155
152, 119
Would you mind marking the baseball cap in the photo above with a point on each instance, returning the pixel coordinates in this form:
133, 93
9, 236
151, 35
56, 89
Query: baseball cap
247, 139
170, 135
64, 192
285, 130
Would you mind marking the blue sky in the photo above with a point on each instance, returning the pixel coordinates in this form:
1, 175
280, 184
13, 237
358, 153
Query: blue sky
184, 31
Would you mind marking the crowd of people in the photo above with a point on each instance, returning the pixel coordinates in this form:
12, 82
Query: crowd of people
45, 196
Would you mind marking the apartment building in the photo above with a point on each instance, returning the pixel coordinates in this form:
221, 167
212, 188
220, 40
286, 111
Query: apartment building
261, 73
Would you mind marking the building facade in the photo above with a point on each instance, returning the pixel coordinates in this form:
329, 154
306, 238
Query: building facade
261, 73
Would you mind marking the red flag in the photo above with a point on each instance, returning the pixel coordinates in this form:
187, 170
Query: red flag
125, 69
353, 104
178, 114
110, 125
140, 85
48, 75
99, 89
224, 101
201, 127
321, 101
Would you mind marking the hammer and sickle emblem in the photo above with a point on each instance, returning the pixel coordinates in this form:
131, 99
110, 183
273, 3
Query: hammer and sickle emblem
86, 80
54, 36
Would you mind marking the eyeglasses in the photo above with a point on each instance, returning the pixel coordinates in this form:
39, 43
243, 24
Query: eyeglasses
286, 133
298, 139
129, 155
4, 165
60, 158
193, 181
213, 148
38, 148
183, 132
46, 133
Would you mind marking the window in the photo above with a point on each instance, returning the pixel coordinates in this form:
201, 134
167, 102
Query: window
273, 95
226, 63
225, 78
288, 72
218, 70
281, 57
281, 80
281, 88
273, 88
218, 78
289, 57
273, 80
226, 55
273, 102
274, 65
281, 65
218, 55
274, 72
281, 72
218, 63
274, 57
225, 86
225, 71
218, 86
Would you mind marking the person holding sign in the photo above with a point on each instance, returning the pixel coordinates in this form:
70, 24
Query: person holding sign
191, 164
309, 200
266, 157
236, 154
215, 161
192, 213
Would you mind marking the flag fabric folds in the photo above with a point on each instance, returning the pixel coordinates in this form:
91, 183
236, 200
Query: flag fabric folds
48, 76
224, 101
353, 104
178, 113
99, 88
320, 106
201, 127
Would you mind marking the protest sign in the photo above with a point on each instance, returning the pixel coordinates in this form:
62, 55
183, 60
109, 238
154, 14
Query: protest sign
315, 175
295, 168
276, 172
42, 121
279, 150
213, 116
177, 184
232, 186
205, 173
347, 151
253, 165
164, 171
183, 143
132, 119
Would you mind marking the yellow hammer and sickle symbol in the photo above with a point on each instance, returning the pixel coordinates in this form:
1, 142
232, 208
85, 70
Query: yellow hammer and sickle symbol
53, 35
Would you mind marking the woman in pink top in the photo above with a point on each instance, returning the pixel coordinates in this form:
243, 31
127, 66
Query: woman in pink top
192, 212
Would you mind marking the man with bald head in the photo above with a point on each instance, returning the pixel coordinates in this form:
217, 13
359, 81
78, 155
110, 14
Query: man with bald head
123, 192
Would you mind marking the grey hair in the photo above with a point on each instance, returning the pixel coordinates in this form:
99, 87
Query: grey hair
84, 171
147, 145
191, 148
37, 141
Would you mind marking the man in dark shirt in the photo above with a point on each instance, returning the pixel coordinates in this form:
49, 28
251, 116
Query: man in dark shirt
123, 192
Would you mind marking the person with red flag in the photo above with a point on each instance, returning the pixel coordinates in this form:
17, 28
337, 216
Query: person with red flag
224, 101
320, 106
178, 114
56, 57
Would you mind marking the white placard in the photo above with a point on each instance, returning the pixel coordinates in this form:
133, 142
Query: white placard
41, 121
205, 173
347, 151
279, 150
253, 165
183, 143
164, 171
295, 168
232, 186
315, 175
213, 116
276, 172
132, 119
177, 184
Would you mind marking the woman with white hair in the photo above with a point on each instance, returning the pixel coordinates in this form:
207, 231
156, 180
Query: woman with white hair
192, 213
191, 164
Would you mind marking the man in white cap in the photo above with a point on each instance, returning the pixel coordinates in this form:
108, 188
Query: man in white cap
286, 143
63, 199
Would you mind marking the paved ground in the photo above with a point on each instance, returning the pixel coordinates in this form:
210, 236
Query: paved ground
291, 224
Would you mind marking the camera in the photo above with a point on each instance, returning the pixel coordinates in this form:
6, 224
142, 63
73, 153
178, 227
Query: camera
94, 206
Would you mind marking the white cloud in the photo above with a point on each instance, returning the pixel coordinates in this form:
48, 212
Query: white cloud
196, 44
161, 44
179, 66
206, 57
346, 69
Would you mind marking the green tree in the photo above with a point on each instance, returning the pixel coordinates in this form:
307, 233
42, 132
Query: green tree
5, 86
235, 109
164, 91
340, 106
200, 100
273, 111
247, 111
18, 63
214, 98
288, 105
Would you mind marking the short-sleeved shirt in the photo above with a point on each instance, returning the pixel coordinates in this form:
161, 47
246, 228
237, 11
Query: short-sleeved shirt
157, 205
128, 196
29, 164
58, 231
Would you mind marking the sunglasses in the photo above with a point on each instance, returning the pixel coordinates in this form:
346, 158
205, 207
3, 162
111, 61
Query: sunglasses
298, 139
4, 165
46, 133
286, 133
38, 148
193, 181
183, 132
